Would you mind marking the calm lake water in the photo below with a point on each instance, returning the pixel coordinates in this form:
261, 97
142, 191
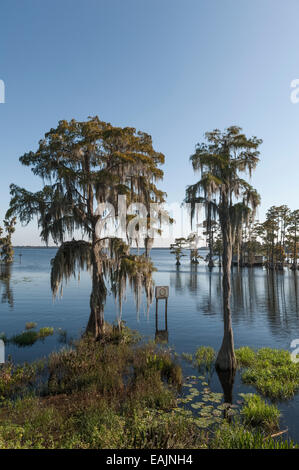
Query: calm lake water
265, 310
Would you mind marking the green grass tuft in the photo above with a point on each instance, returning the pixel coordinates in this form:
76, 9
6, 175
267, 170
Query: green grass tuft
30, 325
29, 337
271, 371
256, 412
205, 356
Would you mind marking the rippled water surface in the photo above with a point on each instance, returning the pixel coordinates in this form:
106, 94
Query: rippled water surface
265, 309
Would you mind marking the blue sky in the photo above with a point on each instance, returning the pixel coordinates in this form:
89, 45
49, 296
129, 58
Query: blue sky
172, 68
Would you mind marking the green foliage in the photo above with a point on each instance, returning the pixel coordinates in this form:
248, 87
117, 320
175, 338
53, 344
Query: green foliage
236, 436
176, 249
117, 394
271, 371
15, 379
29, 337
245, 356
205, 356
30, 325
221, 160
257, 413
6, 248
84, 166
100, 394
45, 331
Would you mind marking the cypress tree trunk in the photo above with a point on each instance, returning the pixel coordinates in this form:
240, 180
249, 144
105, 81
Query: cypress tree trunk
226, 359
295, 249
96, 324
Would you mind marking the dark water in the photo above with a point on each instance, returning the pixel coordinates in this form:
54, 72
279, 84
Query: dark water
265, 310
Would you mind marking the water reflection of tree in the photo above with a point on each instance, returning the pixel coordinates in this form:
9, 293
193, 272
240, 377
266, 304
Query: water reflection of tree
256, 292
5, 288
207, 297
176, 281
227, 379
244, 293
193, 280
293, 290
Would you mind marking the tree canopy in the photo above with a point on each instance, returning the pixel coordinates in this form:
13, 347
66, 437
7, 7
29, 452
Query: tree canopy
83, 165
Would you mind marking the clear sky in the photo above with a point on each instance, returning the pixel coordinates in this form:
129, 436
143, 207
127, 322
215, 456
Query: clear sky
172, 68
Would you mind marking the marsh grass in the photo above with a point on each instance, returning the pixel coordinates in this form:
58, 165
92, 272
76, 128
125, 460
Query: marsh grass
205, 357
271, 371
257, 413
30, 325
29, 337
111, 393
236, 436
46, 331
115, 393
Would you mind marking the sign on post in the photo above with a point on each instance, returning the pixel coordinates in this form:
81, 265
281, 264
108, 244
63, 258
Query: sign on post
162, 292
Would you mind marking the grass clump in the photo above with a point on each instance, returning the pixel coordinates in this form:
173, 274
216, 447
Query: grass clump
245, 356
257, 413
205, 356
98, 395
237, 436
17, 380
30, 325
29, 337
117, 393
271, 371
46, 331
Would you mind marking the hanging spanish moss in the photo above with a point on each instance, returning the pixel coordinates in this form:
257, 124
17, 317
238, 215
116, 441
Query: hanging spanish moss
71, 258
84, 165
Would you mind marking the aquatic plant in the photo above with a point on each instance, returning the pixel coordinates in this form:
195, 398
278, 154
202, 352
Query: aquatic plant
45, 331
30, 325
245, 356
271, 371
123, 394
235, 436
205, 356
256, 412
29, 337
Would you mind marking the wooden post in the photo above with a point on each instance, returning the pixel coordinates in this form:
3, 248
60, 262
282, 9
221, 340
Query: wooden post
166, 314
161, 292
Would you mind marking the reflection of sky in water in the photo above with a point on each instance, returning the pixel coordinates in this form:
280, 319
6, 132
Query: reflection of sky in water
265, 308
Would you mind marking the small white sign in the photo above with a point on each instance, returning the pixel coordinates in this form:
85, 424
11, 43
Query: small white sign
162, 292
2, 351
